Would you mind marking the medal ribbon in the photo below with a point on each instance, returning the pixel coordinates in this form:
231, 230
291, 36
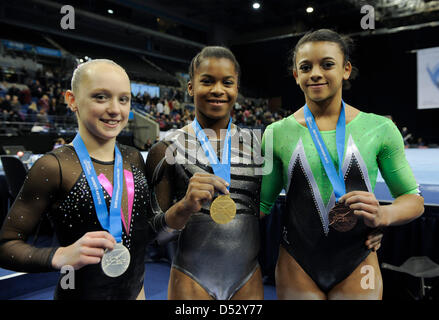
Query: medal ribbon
337, 179
129, 181
109, 221
222, 169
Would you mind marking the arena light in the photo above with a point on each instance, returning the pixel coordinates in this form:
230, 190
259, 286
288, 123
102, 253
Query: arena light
256, 5
309, 9
110, 11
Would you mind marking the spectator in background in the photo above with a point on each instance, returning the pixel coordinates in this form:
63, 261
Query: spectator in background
146, 97
16, 105
147, 106
3, 115
43, 117
25, 96
246, 113
43, 103
171, 105
32, 111
3, 86
166, 109
176, 105
406, 136
163, 123
49, 74
59, 143
61, 108
5, 105
421, 144
36, 89
160, 107
13, 91
53, 103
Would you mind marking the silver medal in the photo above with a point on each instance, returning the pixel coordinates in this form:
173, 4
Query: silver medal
115, 262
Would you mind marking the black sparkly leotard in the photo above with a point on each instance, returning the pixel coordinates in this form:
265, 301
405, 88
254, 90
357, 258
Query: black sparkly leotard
56, 186
220, 258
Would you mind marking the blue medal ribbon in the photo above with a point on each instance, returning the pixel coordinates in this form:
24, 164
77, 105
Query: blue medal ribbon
222, 169
337, 179
112, 221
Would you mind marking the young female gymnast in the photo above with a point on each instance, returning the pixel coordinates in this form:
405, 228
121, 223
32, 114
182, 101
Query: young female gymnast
213, 260
95, 193
326, 156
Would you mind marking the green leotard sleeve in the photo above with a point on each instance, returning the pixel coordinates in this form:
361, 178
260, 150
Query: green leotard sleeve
272, 181
393, 164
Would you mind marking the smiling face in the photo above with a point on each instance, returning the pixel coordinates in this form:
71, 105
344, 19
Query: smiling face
320, 70
214, 87
102, 101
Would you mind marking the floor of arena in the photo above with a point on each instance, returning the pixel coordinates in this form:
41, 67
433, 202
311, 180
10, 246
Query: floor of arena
156, 284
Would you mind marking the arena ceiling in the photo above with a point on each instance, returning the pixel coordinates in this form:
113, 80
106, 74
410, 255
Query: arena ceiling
175, 29
236, 21
274, 18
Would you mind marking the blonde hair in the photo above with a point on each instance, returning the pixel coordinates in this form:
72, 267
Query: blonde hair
81, 68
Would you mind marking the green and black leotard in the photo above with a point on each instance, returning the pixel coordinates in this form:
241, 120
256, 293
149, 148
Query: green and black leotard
292, 163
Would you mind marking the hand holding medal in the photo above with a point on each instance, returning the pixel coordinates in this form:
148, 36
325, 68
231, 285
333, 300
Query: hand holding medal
89, 249
223, 208
364, 204
201, 188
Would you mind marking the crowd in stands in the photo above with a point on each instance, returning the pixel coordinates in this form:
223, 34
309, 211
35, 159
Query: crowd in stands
36, 99
250, 114
174, 114
40, 100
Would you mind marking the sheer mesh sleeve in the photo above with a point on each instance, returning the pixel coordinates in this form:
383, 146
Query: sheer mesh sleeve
159, 175
34, 199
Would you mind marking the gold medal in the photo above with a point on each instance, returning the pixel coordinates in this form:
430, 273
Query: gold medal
223, 209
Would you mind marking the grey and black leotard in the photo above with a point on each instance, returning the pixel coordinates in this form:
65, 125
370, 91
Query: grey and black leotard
220, 258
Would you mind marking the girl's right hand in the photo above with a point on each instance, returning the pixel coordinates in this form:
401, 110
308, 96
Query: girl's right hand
202, 188
89, 249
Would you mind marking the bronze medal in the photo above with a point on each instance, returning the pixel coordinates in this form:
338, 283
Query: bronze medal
223, 209
342, 218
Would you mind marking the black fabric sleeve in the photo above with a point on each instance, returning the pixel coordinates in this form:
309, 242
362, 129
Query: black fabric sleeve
34, 199
159, 174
